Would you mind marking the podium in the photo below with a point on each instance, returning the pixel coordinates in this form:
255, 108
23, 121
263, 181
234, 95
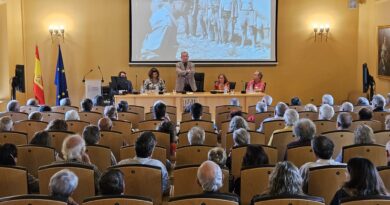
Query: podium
93, 88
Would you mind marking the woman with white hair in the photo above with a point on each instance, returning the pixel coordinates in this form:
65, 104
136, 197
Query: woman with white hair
238, 122
326, 112
196, 136
72, 115
310, 108
62, 185
241, 137
378, 103
267, 99
362, 101
291, 116
346, 107
13, 106
327, 99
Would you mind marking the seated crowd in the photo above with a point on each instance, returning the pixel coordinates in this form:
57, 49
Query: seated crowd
285, 179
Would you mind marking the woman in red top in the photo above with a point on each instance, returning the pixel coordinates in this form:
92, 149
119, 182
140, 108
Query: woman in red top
221, 82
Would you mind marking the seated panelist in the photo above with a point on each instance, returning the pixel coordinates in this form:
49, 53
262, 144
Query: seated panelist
256, 84
122, 84
154, 81
221, 83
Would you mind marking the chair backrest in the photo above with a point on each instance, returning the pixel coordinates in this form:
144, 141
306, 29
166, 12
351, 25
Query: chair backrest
290, 200
251, 109
13, 181
148, 124
169, 109
384, 172
57, 138
380, 116
185, 182
260, 116
121, 126
206, 125
211, 139
32, 199
319, 186
33, 156
76, 126
270, 126
15, 116
324, 126
254, 181
298, 108
354, 115
199, 81
300, 155
117, 200
221, 117
375, 153
50, 116
172, 116
30, 127
91, 117
143, 180
309, 115
226, 108
112, 139
132, 117
255, 138
192, 154
382, 137
159, 153
16, 138
187, 116
204, 199
63, 109
99, 109
239, 152
340, 138
140, 110
28, 108
372, 200
100, 156
281, 140
375, 125
85, 187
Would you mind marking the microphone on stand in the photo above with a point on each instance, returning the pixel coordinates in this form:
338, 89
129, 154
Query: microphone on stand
101, 74
90, 71
136, 81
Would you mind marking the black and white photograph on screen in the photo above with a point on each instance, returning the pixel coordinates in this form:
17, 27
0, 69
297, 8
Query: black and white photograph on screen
210, 30
384, 51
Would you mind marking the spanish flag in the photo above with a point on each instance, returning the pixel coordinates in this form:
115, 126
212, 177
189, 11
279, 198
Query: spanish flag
38, 81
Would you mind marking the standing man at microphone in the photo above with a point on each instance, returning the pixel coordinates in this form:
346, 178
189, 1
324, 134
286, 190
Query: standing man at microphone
185, 70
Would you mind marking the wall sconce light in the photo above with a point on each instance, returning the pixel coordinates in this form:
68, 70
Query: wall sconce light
57, 31
322, 31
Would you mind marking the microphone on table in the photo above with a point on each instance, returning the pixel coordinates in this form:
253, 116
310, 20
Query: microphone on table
85, 75
101, 74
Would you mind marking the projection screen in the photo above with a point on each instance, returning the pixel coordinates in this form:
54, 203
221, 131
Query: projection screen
211, 31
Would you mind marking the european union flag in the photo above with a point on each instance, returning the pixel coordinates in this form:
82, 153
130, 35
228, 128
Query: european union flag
60, 80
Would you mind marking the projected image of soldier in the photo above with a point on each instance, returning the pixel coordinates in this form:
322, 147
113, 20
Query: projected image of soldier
246, 21
227, 17
212, 20
202, 17
191, 9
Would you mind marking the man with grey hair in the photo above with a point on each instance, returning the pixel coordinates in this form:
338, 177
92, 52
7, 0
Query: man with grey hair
291, 116
110, 112
344, 121
327, 99
35, 116
72, 115
238, 122
304, 130
267, 99
310, 108
210, 176
13, 106
280, 109
6, 124
346, 107
362, 101
32, 102
105, 124
65, 102
241, 137
326, 112
62, 185
261, 107
91, 135
196, 136
73, 151
378, 103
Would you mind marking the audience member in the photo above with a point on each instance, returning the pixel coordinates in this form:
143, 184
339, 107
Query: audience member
159, 110
57, 125
44, 108
346, 107
388, 152
344, 121
304, 130
122, 106
110, 112
196, 136
327, 99
365, 114
364, 181
13, 106
105, 124
323, 149
280, 109
218, 155
35, 116
91, 135
210, 177
238, 122
267, 99
169, 127
98, 100
295, 101
261, 107
6, 124
326, 112
362, 101
196, 111
62, 185
9, 157
144, 147
86, 105
310, 108
378, 103
32, 102
65, 102
72, 115
241, 137
235, 102
112, 182
41, 138
291, 116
